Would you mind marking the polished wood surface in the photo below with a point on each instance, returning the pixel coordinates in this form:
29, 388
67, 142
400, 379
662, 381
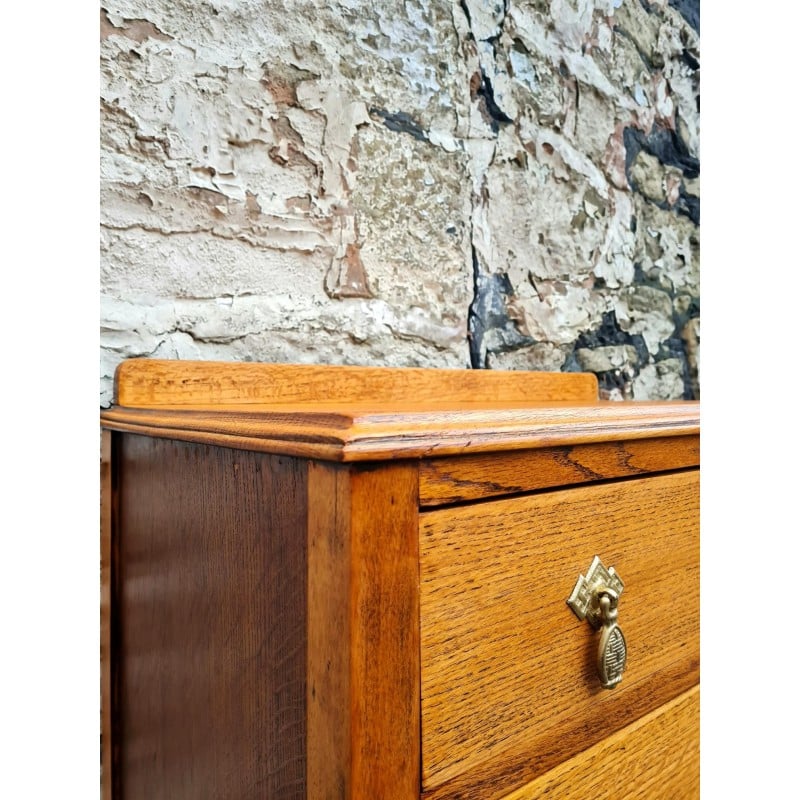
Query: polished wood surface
657, 757
385, 643
107, 505
210, 608
363, 654
329, 687
154, 382
444, 481
337, 583
369, 432
509, 686
376, 413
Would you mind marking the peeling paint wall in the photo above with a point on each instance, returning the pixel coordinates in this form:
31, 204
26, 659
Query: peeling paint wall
502, 184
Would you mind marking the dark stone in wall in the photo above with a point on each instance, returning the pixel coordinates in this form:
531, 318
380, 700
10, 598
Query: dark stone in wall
494, 114
689, 10
668, 147
692, 63
662, 143
689, 205
400, 122
490, 327
675, 347
692, 312
612, 380
641, 278
672, 348
610, 333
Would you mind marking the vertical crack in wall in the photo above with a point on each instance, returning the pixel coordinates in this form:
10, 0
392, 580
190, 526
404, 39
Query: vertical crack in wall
474, 322
492, 112
487, 316
475, 327
478, 322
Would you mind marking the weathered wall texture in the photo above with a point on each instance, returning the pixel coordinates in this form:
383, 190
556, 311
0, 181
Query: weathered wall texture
511, 185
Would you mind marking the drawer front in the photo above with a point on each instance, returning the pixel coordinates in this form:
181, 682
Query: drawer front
657, 757
509, 682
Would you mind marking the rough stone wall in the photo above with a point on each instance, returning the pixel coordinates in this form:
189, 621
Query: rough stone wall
502, 184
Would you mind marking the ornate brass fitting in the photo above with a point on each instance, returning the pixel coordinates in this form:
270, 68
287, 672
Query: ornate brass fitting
596, 599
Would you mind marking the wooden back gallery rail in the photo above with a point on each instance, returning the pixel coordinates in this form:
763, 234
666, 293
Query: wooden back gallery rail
351, 583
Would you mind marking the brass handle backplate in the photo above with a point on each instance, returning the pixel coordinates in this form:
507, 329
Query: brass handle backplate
596, 598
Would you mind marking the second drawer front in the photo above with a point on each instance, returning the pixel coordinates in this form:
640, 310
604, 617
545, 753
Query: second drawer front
657, 757
509, 683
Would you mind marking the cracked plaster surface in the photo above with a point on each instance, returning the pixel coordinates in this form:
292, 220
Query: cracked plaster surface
505, 184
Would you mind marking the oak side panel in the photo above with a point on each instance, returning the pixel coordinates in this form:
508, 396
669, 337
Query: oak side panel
210, 609
363, 691
452, 480
657, 757
107, 505
152, 382
509, 685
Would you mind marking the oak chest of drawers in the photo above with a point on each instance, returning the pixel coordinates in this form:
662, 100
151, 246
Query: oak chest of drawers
345, 582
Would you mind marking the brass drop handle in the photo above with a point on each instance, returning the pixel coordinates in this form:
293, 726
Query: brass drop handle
596, 599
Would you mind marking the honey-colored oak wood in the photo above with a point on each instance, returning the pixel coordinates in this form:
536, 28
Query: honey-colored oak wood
384, 601
657, 757
472, 477
509, 684
328, 688
363, 651
154, 382
294, 608
368, 432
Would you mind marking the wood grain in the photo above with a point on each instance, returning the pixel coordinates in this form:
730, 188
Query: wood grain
457, 479
657, 757
370, 431
384, 604
509, 687
328, 688
154, 382
281, 627
210, 607
107, 505
363, 655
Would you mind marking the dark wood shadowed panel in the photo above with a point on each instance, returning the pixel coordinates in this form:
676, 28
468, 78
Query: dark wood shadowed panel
107, 507
210, 621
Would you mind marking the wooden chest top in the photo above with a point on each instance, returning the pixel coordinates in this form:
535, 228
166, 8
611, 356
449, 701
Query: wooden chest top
375, 413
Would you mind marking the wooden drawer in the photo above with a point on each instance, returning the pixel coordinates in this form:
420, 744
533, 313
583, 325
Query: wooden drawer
508, 676
657, 757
